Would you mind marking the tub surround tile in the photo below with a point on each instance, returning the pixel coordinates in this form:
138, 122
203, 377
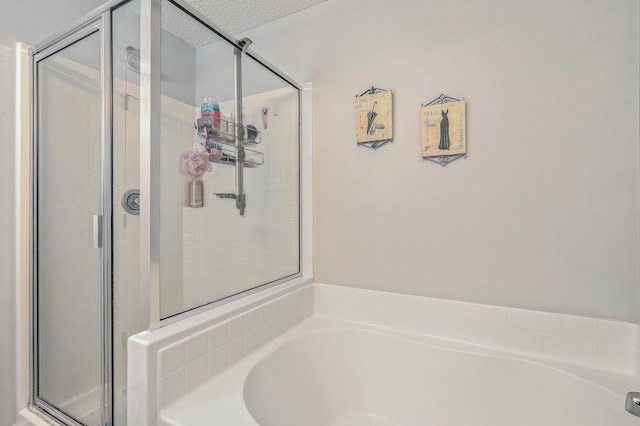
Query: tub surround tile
567, 338
236, 350
171, 358
279, 324
633, 359
217, 336
266, 332
266, 313
218, 360
523, 319
496, 315
252, 340
194, 372
304, 304
196, 346
186, 360
522, 339
279, 307
578, 327
290, 319
549, 344
446, 327
289, 303
496, 335
611, 331
171, 386
251, 320
579, 350
468, 312
472, 332
612, 354
236, 328
548, 323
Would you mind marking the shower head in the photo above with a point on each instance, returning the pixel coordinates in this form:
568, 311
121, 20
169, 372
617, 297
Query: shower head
133, 58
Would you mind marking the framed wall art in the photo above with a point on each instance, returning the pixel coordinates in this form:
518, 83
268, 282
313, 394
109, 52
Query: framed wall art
374, 118
444, 130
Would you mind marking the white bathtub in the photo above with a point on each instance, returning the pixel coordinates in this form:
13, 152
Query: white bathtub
338, 372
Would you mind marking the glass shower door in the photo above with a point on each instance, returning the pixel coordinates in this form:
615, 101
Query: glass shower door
68, 251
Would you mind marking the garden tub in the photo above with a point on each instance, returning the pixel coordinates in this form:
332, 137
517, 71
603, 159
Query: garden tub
341, 372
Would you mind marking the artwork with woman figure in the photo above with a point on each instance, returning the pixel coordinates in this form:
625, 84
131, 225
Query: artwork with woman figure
445, 142
443, 128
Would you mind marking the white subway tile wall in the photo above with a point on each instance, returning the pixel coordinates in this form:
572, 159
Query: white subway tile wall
176, 137
186, 363
210, 253
225, 253
126, 228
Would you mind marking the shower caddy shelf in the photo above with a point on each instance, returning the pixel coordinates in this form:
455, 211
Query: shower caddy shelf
224, 139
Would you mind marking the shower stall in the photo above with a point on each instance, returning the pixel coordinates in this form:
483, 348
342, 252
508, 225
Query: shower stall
125, 240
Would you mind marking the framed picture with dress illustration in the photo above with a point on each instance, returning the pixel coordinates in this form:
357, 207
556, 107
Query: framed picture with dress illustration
443, 130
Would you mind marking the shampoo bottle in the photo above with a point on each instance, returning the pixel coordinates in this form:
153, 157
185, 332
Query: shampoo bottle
196, 194
211, 108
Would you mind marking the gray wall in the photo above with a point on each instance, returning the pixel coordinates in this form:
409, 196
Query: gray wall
543, 213
7, 258
178, 69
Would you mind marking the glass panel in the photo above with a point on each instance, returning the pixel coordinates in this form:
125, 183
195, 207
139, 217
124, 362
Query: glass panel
207, 251
68, 195
127, 294
184, 230
270, 231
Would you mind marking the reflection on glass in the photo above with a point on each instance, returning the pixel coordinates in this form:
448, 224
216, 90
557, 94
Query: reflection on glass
209, 253
127, 315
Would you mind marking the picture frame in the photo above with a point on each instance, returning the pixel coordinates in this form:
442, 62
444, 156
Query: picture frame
374, 118
443, 123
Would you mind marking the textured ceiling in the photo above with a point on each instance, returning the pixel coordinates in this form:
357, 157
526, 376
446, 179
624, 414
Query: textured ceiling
232, 16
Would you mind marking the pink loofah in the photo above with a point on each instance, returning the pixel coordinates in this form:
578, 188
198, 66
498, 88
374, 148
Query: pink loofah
193, 164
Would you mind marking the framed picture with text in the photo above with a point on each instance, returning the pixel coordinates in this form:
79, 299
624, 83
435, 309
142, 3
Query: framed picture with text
443, 129
374, 118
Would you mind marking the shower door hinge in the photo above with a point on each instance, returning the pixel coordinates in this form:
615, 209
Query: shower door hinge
97, 231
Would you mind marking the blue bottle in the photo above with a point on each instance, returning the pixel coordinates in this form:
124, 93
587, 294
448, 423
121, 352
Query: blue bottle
211, 108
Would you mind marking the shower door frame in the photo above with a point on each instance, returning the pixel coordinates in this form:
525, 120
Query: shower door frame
150, 115
98, 22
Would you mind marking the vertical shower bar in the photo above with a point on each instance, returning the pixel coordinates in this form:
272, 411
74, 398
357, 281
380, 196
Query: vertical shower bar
106, 410
241, 202
33, 224
150, 104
